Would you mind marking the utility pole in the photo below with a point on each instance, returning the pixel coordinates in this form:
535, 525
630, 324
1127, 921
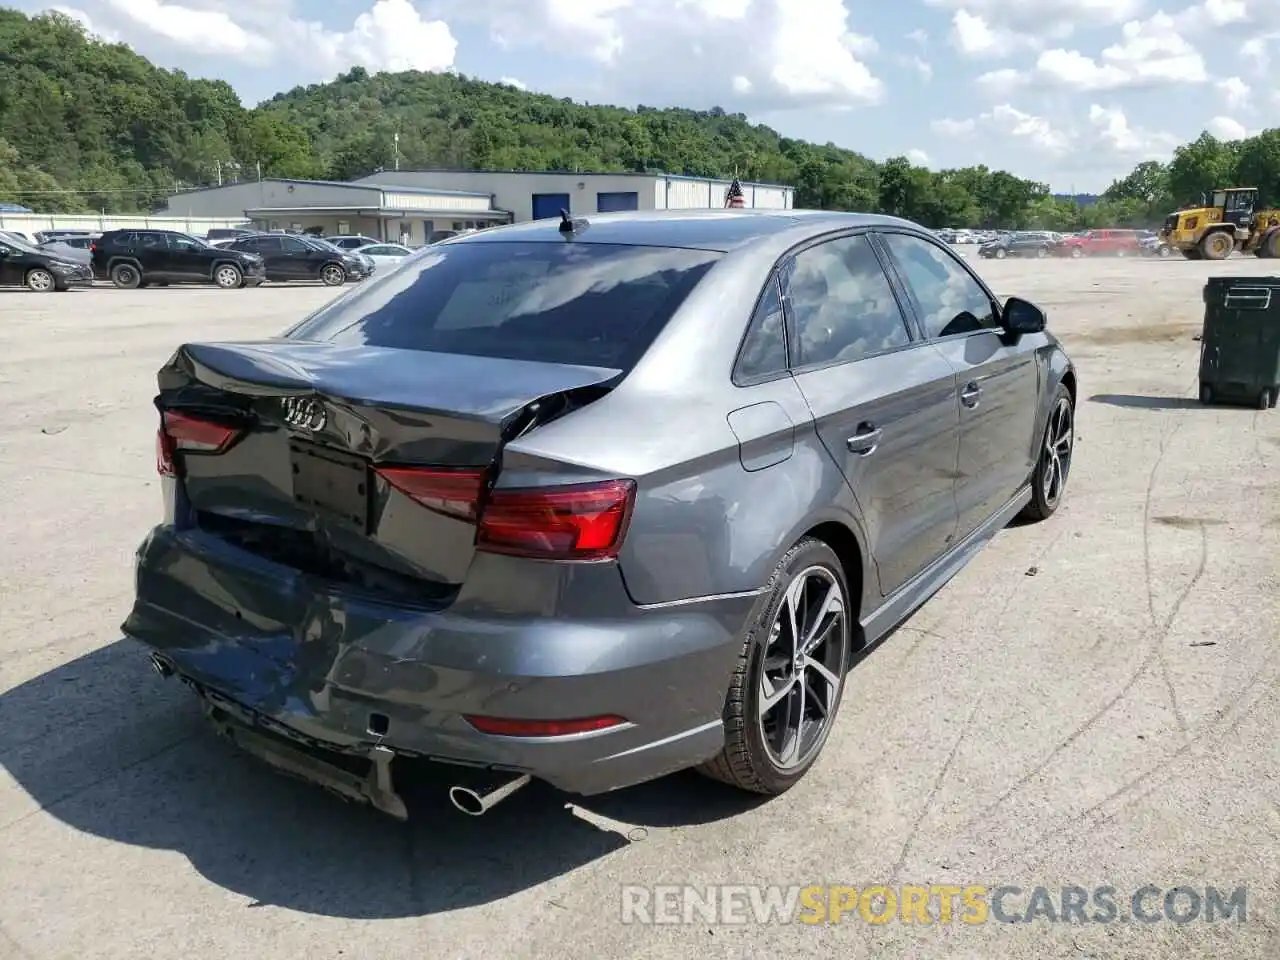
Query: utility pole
259, 171
397, 146
218, 166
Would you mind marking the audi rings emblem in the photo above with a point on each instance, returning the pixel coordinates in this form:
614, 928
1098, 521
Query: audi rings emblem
304, 413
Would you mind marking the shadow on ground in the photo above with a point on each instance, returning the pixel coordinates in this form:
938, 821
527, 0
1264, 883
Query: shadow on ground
108, 748
1145, 403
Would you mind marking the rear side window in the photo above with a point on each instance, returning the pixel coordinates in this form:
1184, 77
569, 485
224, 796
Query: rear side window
764, 351
842, 304
593, 304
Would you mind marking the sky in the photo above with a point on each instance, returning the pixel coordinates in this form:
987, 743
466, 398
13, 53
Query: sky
1072, 93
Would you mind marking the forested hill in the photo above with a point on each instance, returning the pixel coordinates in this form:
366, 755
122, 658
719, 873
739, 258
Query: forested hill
86, 125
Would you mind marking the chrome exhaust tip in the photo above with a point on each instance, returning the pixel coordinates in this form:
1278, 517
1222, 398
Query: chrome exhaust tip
477, 802
161, 666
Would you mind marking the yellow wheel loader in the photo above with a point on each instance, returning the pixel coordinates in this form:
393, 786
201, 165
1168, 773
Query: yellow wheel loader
1213, 231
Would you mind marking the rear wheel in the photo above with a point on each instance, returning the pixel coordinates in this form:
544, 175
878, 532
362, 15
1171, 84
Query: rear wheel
1001, 254
1049, 479
227, 276
1217, 246
126, 276
40, 280
786, 689
1041, 253
1164, 251
1264, 400
332, 275
1206, 394
1076, 253
1270, 246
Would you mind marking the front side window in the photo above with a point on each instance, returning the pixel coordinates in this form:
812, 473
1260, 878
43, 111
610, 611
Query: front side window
593, 304
947, 297
842, 305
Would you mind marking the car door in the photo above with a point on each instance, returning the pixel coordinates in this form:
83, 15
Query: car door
273, 257
151, 248
297, 260
998, 377
11, 272
188, 260
884, 403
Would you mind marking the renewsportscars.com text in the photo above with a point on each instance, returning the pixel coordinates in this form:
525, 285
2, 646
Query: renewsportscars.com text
930, 904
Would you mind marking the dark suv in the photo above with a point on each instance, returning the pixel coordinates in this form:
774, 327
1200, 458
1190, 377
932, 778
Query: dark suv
302, 258
137, 258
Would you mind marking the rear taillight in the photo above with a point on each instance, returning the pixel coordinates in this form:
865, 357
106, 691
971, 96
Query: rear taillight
455, 493
578, 522
508, 727
184, 433
584, 521
93, 247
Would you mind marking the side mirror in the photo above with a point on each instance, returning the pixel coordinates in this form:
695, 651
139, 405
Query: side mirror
1021, 316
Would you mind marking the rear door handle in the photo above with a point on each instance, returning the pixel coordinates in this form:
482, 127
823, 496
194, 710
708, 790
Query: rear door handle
865, 441
970, 394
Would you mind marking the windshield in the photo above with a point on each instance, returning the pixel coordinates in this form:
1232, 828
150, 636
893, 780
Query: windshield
592, 304
9, 240
319, 243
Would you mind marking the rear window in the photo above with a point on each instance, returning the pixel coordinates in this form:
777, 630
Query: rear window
593, 304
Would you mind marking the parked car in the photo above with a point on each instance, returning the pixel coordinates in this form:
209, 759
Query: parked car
351, 241
467, 514
139, 258
301, 258
359, 253
44, 236
1153, 246
1030, 244
1106, 243
23, 264
227, 233
71, 248
386, 255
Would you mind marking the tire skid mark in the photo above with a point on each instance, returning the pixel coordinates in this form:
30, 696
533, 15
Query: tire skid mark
1155, 651
1228, 721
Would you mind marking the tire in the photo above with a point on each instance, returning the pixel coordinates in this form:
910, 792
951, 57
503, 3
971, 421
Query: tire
227, 276
1076, 253
1206, 394
1053, 467
1000, 254
1264, 400
126, 276
752, 759
333, 275
1270, 246
1217, 245
1041, 253
40, 280
1164, 252
1122, 253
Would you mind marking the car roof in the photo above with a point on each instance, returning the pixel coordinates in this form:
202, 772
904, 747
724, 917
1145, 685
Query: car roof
721, 230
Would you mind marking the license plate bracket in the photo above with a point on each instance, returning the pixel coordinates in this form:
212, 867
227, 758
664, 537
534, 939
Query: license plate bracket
333, 484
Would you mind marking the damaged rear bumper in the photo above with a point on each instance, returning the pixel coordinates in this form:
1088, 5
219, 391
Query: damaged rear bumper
308, 675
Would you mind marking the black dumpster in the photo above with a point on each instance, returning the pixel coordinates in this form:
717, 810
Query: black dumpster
1240, 343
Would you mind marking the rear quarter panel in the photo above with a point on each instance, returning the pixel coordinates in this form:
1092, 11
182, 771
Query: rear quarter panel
703, 524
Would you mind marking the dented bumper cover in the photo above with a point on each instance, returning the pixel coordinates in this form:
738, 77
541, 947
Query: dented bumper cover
520, 640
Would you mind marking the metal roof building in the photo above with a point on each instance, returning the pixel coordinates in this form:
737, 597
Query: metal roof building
406, 212
534, 195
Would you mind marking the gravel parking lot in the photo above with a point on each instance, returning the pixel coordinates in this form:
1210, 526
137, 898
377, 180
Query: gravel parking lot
1092, 702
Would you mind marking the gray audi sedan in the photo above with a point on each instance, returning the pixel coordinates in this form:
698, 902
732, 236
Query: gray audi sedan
590, 500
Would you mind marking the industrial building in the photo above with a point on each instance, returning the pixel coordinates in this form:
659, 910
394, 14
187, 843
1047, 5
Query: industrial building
411, 205
408, 214
534, 196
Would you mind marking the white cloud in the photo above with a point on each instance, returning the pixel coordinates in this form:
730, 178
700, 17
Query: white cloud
1236, 93
210, 32
918, 157
390, 35
1118, 136
919, 38
513, 82
948, 127
921, 67
1224, 128
1045, 19
998, 84
1211, 14
974, 37
1151, 53
1036, 132
763, 55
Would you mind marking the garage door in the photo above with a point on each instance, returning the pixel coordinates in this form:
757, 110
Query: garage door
617, 202
547, 205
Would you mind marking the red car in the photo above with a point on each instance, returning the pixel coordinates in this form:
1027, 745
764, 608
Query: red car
1100, 243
